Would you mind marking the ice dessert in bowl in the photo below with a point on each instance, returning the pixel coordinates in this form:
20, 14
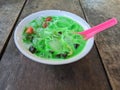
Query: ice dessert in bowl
51, 37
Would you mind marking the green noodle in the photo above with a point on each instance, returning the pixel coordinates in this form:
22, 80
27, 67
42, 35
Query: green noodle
57, 40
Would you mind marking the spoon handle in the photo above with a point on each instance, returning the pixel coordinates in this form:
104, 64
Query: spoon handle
101, 27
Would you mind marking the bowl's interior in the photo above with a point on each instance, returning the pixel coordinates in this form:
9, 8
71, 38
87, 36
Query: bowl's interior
25, 21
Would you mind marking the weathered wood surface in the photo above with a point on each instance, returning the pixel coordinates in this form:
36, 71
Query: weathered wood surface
9, 11
108, 42
19, 73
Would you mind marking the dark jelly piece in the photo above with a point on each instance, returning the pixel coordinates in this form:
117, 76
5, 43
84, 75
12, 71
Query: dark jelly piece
51, 51
64, 55
32, 49
61, 55
60, 32
76, 46
58, 55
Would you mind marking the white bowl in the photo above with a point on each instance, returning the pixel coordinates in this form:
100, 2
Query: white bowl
19, 30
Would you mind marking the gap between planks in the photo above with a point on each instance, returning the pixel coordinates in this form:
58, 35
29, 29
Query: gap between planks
96, 47
11, 32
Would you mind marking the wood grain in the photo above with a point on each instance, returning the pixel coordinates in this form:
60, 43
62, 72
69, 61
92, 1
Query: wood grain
19, 73
107, 42
9, 11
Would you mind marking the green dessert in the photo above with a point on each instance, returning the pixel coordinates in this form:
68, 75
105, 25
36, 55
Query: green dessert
53, 37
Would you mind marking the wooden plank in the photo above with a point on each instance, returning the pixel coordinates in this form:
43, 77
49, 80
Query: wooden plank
107, 42
19, 73
9, 11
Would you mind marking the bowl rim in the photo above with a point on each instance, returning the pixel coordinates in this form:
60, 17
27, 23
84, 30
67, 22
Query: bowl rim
46, 61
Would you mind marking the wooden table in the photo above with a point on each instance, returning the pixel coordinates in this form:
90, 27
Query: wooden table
99, 70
